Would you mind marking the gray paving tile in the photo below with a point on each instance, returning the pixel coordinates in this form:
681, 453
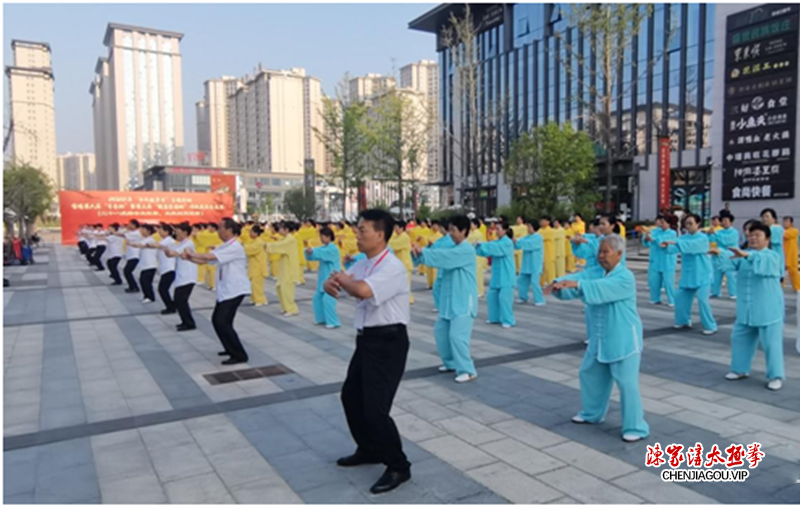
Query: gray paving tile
142, 489
200, 489
75, 484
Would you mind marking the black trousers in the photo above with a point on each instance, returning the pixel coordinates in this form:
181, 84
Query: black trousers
222, 319
368, 392
90, 255
182, 294
98, 253
83, 247
113, 269
130, 266
146, 281
163, 290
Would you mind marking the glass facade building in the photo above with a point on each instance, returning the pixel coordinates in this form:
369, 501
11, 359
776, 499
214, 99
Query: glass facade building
535, 68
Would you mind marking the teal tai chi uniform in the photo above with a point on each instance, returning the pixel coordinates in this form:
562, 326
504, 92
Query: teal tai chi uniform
458, 303
723, 267
695, 280
324, 304
500, 300
615, 345
532, 247
358, 257
588, 251
776, 245
661, 270
759, 312
444, 242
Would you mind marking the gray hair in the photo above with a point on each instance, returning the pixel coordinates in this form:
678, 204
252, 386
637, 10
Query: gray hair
615, 242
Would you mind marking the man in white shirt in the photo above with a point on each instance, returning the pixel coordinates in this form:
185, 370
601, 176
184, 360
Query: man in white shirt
132, 235
232, 285
114, 253
100, 246
166, 267
380, 284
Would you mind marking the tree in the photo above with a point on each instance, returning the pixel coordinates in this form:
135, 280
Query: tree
551, 171
480, 128
612, 30
398, 125
297, 203
344, 138
28, 192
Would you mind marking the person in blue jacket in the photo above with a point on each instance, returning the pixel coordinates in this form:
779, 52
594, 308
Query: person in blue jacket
532, 247
442, 243
661, 269
696, 275
458, 298
329, 262
725, 238
586, 246
500, 300
349, 261
769, 217
615, 342
759, 308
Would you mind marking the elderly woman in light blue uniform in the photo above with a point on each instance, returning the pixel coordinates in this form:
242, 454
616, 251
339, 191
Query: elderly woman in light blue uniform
661, 269
725, 238
759, 308
770, 219
329, 262
444, 242
615, 339
532, 247
500, 300
696, 275
458, 299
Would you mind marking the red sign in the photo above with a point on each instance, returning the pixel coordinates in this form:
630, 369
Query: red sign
107, 207
664, 175
225, 184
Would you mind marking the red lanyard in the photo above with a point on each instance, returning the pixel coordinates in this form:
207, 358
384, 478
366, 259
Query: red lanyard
377, 262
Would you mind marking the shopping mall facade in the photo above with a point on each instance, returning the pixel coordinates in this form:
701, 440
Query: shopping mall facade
696, 56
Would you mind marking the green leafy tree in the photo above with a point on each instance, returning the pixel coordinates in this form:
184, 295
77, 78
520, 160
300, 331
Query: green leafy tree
551, 171
28, 192
345, 140
299, 204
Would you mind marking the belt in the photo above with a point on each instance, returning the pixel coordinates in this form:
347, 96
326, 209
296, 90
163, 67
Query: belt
385, 328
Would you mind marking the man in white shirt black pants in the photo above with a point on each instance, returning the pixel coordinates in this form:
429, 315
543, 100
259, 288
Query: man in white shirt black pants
232, 285
131, 255
380, 283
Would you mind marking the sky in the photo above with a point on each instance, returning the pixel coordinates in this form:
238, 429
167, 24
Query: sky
219, 39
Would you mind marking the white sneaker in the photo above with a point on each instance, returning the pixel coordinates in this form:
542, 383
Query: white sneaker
444, 369
521, 301
291, 315
709, 332
631, 438
775, 384
586, 342
434, 310
147, 300
578, 419
671, 305
490, 322
682, 327
735, 376
331, 327
259, 305
507, 326
539, 304
733, 298
464, 378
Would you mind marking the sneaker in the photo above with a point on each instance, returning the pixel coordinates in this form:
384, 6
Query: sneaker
259, 305
331, 327
507, 326
291, 314
491, 322
465, 378
434, 310
709, 332
735, 376
631, 438
586, 342
539, 304
671, 305
775, 384
146, 300
682, 327
522, 301
733, 297
443, 369
655, 303
578, 419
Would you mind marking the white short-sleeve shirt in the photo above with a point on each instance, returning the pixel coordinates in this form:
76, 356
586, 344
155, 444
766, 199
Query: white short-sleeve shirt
185, 271
135, 237
231, 261
99, 239
387, 277
114, 246
166, 264
147, 257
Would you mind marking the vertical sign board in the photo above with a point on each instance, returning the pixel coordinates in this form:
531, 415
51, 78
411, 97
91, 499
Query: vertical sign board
664, 174
310, 180
760, 103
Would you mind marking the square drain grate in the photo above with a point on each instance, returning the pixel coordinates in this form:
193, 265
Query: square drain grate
232, 376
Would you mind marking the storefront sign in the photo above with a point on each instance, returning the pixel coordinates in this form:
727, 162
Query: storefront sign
664, 174
224, 184
760, 104
107, 207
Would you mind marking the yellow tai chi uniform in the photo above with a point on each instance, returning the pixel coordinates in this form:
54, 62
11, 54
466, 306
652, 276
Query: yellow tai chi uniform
790, 239
311, 235
559, 240
549, 274
571, 260
256, 269
477, 236
430, 273
200, 247
212, 240
288, 266
401, 245
520, 231
420, 236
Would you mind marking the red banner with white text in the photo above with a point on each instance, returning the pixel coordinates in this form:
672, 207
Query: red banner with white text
664, 174
107, 207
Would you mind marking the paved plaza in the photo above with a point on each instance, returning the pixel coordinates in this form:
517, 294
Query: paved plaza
105, 403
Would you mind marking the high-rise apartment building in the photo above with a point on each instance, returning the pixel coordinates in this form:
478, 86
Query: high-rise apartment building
272, 116
32, 121
423, 76
363, 87
138, 104
213, 122
77, 171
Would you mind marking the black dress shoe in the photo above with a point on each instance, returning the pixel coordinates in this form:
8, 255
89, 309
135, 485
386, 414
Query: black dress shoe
166, 312
357, 459
184, 328
223, 353
390, 480
129, 290
116, 283
233, 361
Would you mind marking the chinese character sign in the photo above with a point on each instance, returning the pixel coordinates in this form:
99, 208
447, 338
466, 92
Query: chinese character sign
106, 207
224, 184
760, 104
664, 175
